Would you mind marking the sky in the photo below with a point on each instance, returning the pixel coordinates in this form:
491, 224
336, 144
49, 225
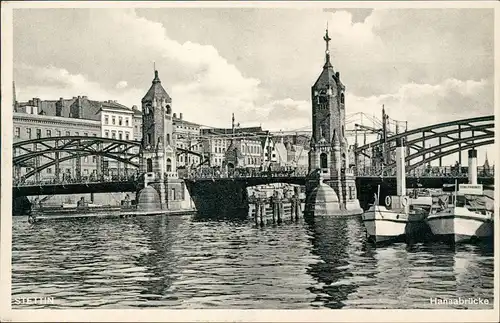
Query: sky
424, 65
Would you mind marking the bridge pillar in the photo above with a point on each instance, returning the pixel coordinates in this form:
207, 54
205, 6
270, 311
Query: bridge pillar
58, 166
440, 158
423, 146
459, 149
78, 167
37, 164
98, 166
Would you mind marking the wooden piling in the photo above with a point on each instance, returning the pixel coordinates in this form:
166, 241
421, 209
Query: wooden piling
263, 209
256, 213
280, 210
274, 205
296, 207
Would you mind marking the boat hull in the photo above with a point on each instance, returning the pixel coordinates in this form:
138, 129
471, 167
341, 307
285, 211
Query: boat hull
384, 225
460, 225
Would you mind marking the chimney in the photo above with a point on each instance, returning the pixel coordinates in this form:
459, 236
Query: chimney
400, 167
79, 107
472, 171
59, 106
180, 116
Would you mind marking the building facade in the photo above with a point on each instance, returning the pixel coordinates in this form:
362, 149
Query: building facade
116, 123
187, 136
28, 126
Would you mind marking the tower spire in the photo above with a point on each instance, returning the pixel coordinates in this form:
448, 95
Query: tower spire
232, 124
327, 39
157, 78
14, 99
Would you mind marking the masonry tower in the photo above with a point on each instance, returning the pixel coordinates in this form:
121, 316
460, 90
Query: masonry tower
328, 155
158, 149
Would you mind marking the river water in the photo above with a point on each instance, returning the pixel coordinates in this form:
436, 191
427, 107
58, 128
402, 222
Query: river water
191, 263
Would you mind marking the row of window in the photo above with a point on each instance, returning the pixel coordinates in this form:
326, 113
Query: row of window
253, 161
121, 120
120, 134
219, 150
192, 147
187, 128
48, 133
250, 149
189, 159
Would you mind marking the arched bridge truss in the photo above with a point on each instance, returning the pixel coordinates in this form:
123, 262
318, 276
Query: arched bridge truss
55, 150
430, 143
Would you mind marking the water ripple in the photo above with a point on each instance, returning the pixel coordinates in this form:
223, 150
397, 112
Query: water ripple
180, 262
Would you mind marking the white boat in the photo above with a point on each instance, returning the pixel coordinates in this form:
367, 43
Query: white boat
465, 219
389, 222
383, 224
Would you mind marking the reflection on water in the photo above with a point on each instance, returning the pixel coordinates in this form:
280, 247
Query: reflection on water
186, 262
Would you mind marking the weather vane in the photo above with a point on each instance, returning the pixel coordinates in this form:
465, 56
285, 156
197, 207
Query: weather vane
327, 38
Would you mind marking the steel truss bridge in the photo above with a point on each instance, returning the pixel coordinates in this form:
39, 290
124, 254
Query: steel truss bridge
445, 139
56, 150
451, 137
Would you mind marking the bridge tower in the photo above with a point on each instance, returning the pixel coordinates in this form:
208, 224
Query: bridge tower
329, 147
158, 149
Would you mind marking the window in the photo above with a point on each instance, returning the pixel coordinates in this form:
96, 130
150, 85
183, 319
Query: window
49, 170
39, 133
86, 134
113, 120
94, 159
126, 122
120, 134
113, 134
49, 133
106, 134
85, 171
18, 132
323, 160
120, 121
68, 133
58, 133
77, 133
95, 135
169, 165
106, 119
126, 136
86, 159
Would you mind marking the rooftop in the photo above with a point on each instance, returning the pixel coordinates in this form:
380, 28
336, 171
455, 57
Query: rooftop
156, 90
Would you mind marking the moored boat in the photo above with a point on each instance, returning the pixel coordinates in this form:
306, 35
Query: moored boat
464, 219
383, 224
389, 222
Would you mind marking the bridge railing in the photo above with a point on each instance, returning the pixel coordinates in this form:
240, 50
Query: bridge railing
17, 182
445, 171
213, 173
